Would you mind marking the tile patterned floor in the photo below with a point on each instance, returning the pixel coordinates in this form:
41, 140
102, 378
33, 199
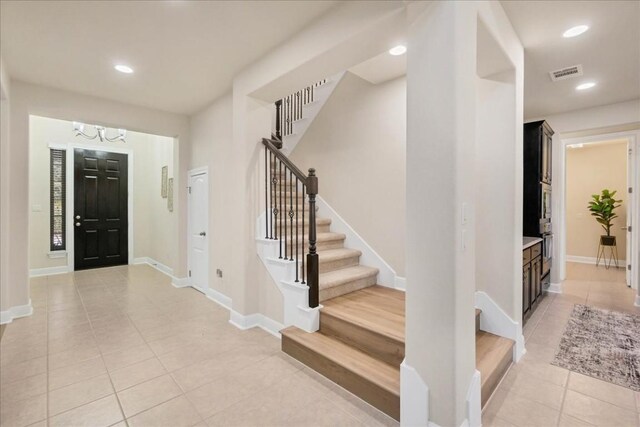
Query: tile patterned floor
536, 393
121, 346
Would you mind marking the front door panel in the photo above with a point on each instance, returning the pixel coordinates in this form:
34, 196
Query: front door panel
101, 208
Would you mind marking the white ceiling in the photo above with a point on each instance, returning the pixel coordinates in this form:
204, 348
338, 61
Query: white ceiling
609, 52
185, 53
381, 68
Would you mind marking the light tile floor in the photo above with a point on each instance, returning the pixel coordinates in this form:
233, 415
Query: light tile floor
536, 393
121, 346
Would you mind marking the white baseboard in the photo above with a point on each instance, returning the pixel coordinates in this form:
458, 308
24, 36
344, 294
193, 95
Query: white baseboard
16, 312
494, 320
414, 397
555, 288
591, 260
637, 303
474, 401
48, 271
401, 283
259, 320
177, 282
219, 298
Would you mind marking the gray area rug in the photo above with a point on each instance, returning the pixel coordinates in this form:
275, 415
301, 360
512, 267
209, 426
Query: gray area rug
602, 344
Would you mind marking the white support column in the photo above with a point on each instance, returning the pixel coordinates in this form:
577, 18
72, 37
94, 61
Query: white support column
440, 343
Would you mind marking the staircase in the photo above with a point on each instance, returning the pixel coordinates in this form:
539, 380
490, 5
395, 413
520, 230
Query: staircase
360, 341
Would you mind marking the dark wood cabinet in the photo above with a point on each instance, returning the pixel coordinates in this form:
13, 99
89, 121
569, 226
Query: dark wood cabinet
537, 175
531, 278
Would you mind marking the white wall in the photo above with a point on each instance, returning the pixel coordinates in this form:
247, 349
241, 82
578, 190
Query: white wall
5, 285
153, 226
26, 100
357, 144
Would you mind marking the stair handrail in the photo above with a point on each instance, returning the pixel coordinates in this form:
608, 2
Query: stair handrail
274, 159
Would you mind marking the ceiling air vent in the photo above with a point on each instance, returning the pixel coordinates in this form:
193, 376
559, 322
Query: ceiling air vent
566, 73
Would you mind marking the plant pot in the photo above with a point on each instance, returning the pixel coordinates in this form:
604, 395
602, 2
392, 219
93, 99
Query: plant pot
608, 240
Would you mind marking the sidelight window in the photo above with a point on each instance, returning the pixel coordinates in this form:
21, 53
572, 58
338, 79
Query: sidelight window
57, 196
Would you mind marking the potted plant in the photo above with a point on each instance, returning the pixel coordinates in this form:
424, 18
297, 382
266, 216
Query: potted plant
602, 207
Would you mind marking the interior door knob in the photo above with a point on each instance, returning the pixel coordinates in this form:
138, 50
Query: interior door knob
77, 224
77, 216
202, 233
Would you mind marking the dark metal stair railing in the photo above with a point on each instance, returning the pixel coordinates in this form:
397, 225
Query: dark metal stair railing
282, 180
289, 109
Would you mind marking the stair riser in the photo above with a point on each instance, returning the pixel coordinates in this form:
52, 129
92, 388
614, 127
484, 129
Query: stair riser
379, 346
319, 229
345, 288
330, 244
326, 266
378, 397
494, 379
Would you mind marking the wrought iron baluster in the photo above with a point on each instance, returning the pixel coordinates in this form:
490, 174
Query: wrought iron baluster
280, 203
267, 173
297, 219
283, 196
272, 210
304, 202
291, 214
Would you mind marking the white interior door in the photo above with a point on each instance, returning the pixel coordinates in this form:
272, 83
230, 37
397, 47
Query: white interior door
198, 230
630, 201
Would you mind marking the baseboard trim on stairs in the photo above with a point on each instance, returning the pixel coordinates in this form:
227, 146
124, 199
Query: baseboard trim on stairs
16, 312
386, 275
495, 321
474, 401
400, 283
414, 397
259, 320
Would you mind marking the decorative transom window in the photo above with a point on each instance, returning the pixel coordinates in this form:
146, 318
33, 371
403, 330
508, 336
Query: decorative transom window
57, 195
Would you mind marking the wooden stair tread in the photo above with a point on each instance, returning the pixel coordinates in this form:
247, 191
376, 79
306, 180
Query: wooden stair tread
371, 309
361, 364
345, 275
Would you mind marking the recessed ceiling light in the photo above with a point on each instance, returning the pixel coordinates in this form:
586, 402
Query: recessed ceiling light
124, 69
575, 31
584, 86
398, 50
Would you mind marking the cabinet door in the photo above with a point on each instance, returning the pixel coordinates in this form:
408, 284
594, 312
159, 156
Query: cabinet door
538, 278
545, 174
535, 273
526, 288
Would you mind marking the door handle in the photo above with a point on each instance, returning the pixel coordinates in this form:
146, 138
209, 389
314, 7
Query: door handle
77, 216
77, 224
202, 233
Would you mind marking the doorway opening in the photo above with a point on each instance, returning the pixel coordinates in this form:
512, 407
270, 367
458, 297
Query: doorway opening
600, 255
99, 204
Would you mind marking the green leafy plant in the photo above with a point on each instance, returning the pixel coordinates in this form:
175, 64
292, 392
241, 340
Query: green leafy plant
602, 207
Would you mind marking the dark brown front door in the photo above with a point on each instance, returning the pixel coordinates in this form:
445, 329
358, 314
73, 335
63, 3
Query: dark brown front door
100, 217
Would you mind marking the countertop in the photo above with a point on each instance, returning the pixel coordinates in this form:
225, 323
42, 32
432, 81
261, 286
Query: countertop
527, 242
